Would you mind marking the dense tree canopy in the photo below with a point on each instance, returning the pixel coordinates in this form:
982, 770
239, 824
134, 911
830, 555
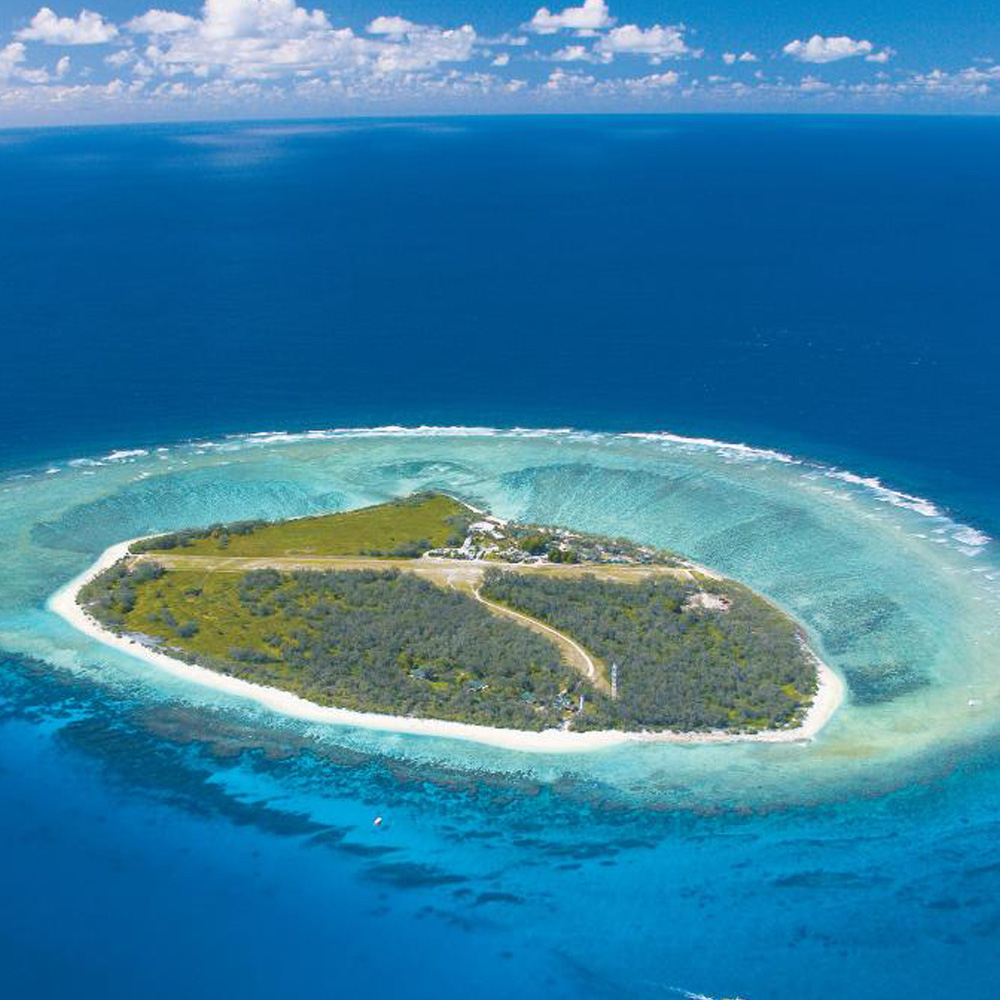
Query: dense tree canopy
380, 641
690, 654
732, 661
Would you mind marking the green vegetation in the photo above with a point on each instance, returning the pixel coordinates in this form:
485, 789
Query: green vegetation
378, 641
692, 653
401, 529
731, 661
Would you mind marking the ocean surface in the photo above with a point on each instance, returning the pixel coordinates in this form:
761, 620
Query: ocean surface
770, 343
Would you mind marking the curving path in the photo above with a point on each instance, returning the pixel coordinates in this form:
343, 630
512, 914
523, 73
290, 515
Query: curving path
577, 656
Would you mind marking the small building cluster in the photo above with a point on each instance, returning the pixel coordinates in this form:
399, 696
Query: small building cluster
491, 539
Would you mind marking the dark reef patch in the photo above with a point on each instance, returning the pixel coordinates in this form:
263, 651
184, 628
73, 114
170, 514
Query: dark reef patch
880, 647
145, 764
826, 881
873, 683
498, 897
413, 875
419, 475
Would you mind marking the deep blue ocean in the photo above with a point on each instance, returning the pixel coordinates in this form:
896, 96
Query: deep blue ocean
822, 286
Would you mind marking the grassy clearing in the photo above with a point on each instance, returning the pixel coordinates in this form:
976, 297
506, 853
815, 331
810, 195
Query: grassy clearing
401, 528
210, 600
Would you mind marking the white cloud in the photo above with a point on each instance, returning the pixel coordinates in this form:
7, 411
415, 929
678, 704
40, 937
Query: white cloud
506, 39
572, 53
881, 57
414, 46
160, 22
256, 54
812, 85
248, 40
259, 19
972, 81
11, 56
257, 58
560, 80
589, 18
391, 26
653, 82
87, 28
974, 74
658, 42
120, 58
35, 76
427, 48
824, 50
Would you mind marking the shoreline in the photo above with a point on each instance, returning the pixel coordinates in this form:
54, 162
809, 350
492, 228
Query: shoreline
829, 695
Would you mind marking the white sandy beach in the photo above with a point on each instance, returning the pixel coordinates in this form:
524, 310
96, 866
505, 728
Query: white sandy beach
829, 695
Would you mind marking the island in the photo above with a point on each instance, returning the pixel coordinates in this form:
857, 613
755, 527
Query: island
426, 614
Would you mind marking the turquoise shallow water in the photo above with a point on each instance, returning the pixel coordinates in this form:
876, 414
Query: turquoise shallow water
861, 865
900, 599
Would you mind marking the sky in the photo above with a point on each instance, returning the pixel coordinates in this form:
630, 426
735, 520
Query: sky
122, 60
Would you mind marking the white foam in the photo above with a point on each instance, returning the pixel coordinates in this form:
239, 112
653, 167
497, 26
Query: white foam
967, 540
724, 446
885, 494
970, 536
457, 430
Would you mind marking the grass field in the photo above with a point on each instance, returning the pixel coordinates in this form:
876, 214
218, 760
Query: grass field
211, 600
399, 528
